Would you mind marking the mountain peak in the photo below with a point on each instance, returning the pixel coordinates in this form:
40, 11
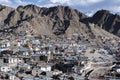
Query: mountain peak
104, 11
108, 21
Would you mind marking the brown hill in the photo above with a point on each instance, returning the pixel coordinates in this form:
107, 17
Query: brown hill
58, 20
110, 22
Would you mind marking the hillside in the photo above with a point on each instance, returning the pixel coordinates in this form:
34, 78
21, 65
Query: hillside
108, 21
58, 20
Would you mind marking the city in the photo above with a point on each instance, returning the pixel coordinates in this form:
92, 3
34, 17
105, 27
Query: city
27, 57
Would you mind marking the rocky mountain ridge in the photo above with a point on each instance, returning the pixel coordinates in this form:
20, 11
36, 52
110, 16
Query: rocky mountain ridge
108, 21
58, 20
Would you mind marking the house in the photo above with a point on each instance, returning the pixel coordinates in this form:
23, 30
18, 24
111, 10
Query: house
35, 57
13, 77
58, 54
12, 61
118, 70
116, 67
78, 77
24, 67
36, 49
1, 61
18, 42
71, 59
5, 68
36, 71
76, 69
69, 52
57, 72
24, 53
36, 42
5, 44
49, 55
4, 76
46, 68
82, 59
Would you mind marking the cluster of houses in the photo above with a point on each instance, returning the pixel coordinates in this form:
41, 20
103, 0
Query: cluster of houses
62, 59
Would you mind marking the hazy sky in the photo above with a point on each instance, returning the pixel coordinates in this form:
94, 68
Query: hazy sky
89, 6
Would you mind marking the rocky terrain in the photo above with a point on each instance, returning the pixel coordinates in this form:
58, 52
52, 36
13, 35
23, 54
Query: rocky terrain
108, 21
58, 20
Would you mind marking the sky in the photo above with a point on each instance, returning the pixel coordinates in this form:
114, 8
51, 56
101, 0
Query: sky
86, 6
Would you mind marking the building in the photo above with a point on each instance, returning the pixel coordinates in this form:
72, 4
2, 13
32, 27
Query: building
5, 68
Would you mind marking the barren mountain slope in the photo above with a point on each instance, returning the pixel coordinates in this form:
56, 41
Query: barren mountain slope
58, 20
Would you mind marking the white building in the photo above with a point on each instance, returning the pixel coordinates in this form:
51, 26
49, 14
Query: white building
118, 70
5, 44
45, 68
11, 77
5, 68
25, 53
24, 66
13, 60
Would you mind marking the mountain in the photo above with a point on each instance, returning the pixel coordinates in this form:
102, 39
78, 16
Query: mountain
108, 21
41, 20
56, 21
